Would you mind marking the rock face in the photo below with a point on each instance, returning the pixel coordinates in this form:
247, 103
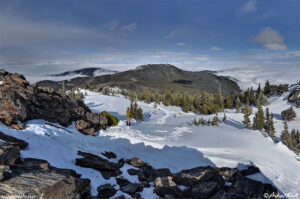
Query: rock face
35, 178
20, 101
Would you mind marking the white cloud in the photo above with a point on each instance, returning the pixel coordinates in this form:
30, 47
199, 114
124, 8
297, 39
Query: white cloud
112, 25
170, 36
215, 48
249, 7
270, 39
201, 58
180, 44
129, 27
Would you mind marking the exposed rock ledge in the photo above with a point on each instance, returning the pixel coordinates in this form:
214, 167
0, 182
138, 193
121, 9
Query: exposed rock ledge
20, 101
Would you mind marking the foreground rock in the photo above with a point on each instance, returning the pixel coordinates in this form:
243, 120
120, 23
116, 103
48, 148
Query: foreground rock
21, 101
108, 169
35, 178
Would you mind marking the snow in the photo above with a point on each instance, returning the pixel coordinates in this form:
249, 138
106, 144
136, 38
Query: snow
163, 140
1, 83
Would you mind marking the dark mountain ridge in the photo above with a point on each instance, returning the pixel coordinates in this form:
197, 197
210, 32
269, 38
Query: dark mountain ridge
156, 77
90, 72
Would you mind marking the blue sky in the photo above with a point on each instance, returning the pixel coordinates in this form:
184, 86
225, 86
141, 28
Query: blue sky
46, 36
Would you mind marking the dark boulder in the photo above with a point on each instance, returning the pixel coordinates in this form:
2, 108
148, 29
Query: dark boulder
106, 191
108, 169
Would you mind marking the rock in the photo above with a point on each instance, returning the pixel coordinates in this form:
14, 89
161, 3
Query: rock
82, 124
130, 188
166, 186
108, 169
227, 173
21, 102
103, 121
18, 126
109, 155
203, 190
106, 191
196, 175
136, 162
121, 181
9, 153
4, 172
21, 143
120, 197
250, 170
243, 187
134, 172
39, 180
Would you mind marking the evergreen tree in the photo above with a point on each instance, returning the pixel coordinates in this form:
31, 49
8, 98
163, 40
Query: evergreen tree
224, 118
258, 91
267, 88
195, 122
220, 101
237, 104
288, 114
285, 136
251, 96
246, 117
269, 127
202, 121
259, 119
215, 121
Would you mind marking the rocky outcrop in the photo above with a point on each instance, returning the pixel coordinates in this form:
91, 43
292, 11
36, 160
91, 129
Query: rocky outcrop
20, 101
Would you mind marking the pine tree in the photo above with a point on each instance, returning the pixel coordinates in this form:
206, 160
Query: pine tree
285, 136
224, 118
251, 96
220, 101
237, 104
288, 114
267, 88
215, 121
269, 127
260, 118
202, 122
258, 91
246, 117
195, 122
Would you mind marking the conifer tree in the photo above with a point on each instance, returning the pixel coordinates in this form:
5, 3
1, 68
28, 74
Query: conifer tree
251, 96
269, 127
285, 136
202, 121
195, 122
246, 117
224, 117
215, 121
237, 104
220, 101
267, 88
260, 118
258, 91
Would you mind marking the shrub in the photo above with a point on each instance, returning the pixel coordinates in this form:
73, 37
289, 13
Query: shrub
112, 120
288, 114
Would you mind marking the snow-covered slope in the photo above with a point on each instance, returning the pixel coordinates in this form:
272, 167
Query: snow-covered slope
167, 138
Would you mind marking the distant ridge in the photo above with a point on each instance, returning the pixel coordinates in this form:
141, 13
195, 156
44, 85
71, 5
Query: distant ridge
156, 77
90, 72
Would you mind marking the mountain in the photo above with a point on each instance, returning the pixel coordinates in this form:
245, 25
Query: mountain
90, 72
156, 77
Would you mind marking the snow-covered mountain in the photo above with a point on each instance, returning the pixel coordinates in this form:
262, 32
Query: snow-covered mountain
168, 139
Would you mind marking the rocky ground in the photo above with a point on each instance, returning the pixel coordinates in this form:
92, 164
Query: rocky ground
20, 101
38, 179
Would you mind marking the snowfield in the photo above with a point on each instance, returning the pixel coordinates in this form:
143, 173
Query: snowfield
167, 138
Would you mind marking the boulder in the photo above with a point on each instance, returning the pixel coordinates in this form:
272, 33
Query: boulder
250, 171
106, 191
166, 186
36, 178
107, 168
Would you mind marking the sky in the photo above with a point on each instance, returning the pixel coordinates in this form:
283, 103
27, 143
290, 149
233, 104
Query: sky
51, 36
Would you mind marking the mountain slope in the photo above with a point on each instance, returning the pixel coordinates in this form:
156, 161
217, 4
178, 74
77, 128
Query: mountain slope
157, 77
